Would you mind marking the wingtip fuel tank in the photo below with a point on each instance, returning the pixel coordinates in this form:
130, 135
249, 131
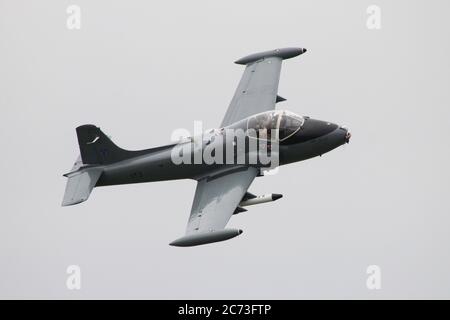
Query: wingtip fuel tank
206, 237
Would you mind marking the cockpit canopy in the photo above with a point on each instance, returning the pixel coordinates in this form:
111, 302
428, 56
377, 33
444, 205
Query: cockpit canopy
280, 123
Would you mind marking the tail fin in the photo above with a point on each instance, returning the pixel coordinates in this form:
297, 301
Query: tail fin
97, 148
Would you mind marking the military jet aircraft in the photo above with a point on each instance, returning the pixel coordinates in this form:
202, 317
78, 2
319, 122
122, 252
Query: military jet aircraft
221, 186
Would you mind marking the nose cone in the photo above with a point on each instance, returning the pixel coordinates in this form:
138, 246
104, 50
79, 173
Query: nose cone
314, 138
348, 136
344, 132
312, 129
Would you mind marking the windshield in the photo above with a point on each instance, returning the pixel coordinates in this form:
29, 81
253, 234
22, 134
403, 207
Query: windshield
270, 125
290, 123
263, 125
278, 125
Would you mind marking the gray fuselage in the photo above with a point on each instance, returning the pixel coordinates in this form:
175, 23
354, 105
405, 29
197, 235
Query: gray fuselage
315, 138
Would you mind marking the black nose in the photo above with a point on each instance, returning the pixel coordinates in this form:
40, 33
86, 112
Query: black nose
312, 129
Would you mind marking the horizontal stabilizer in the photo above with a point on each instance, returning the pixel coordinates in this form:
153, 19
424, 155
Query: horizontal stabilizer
80, 184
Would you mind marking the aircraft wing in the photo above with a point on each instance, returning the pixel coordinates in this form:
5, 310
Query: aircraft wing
258, 88
215, 201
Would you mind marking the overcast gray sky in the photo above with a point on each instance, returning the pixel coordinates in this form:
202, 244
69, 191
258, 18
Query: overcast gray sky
141, 69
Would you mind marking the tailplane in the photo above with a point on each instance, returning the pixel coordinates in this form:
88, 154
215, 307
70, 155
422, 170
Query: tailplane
81, 181
96, 152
